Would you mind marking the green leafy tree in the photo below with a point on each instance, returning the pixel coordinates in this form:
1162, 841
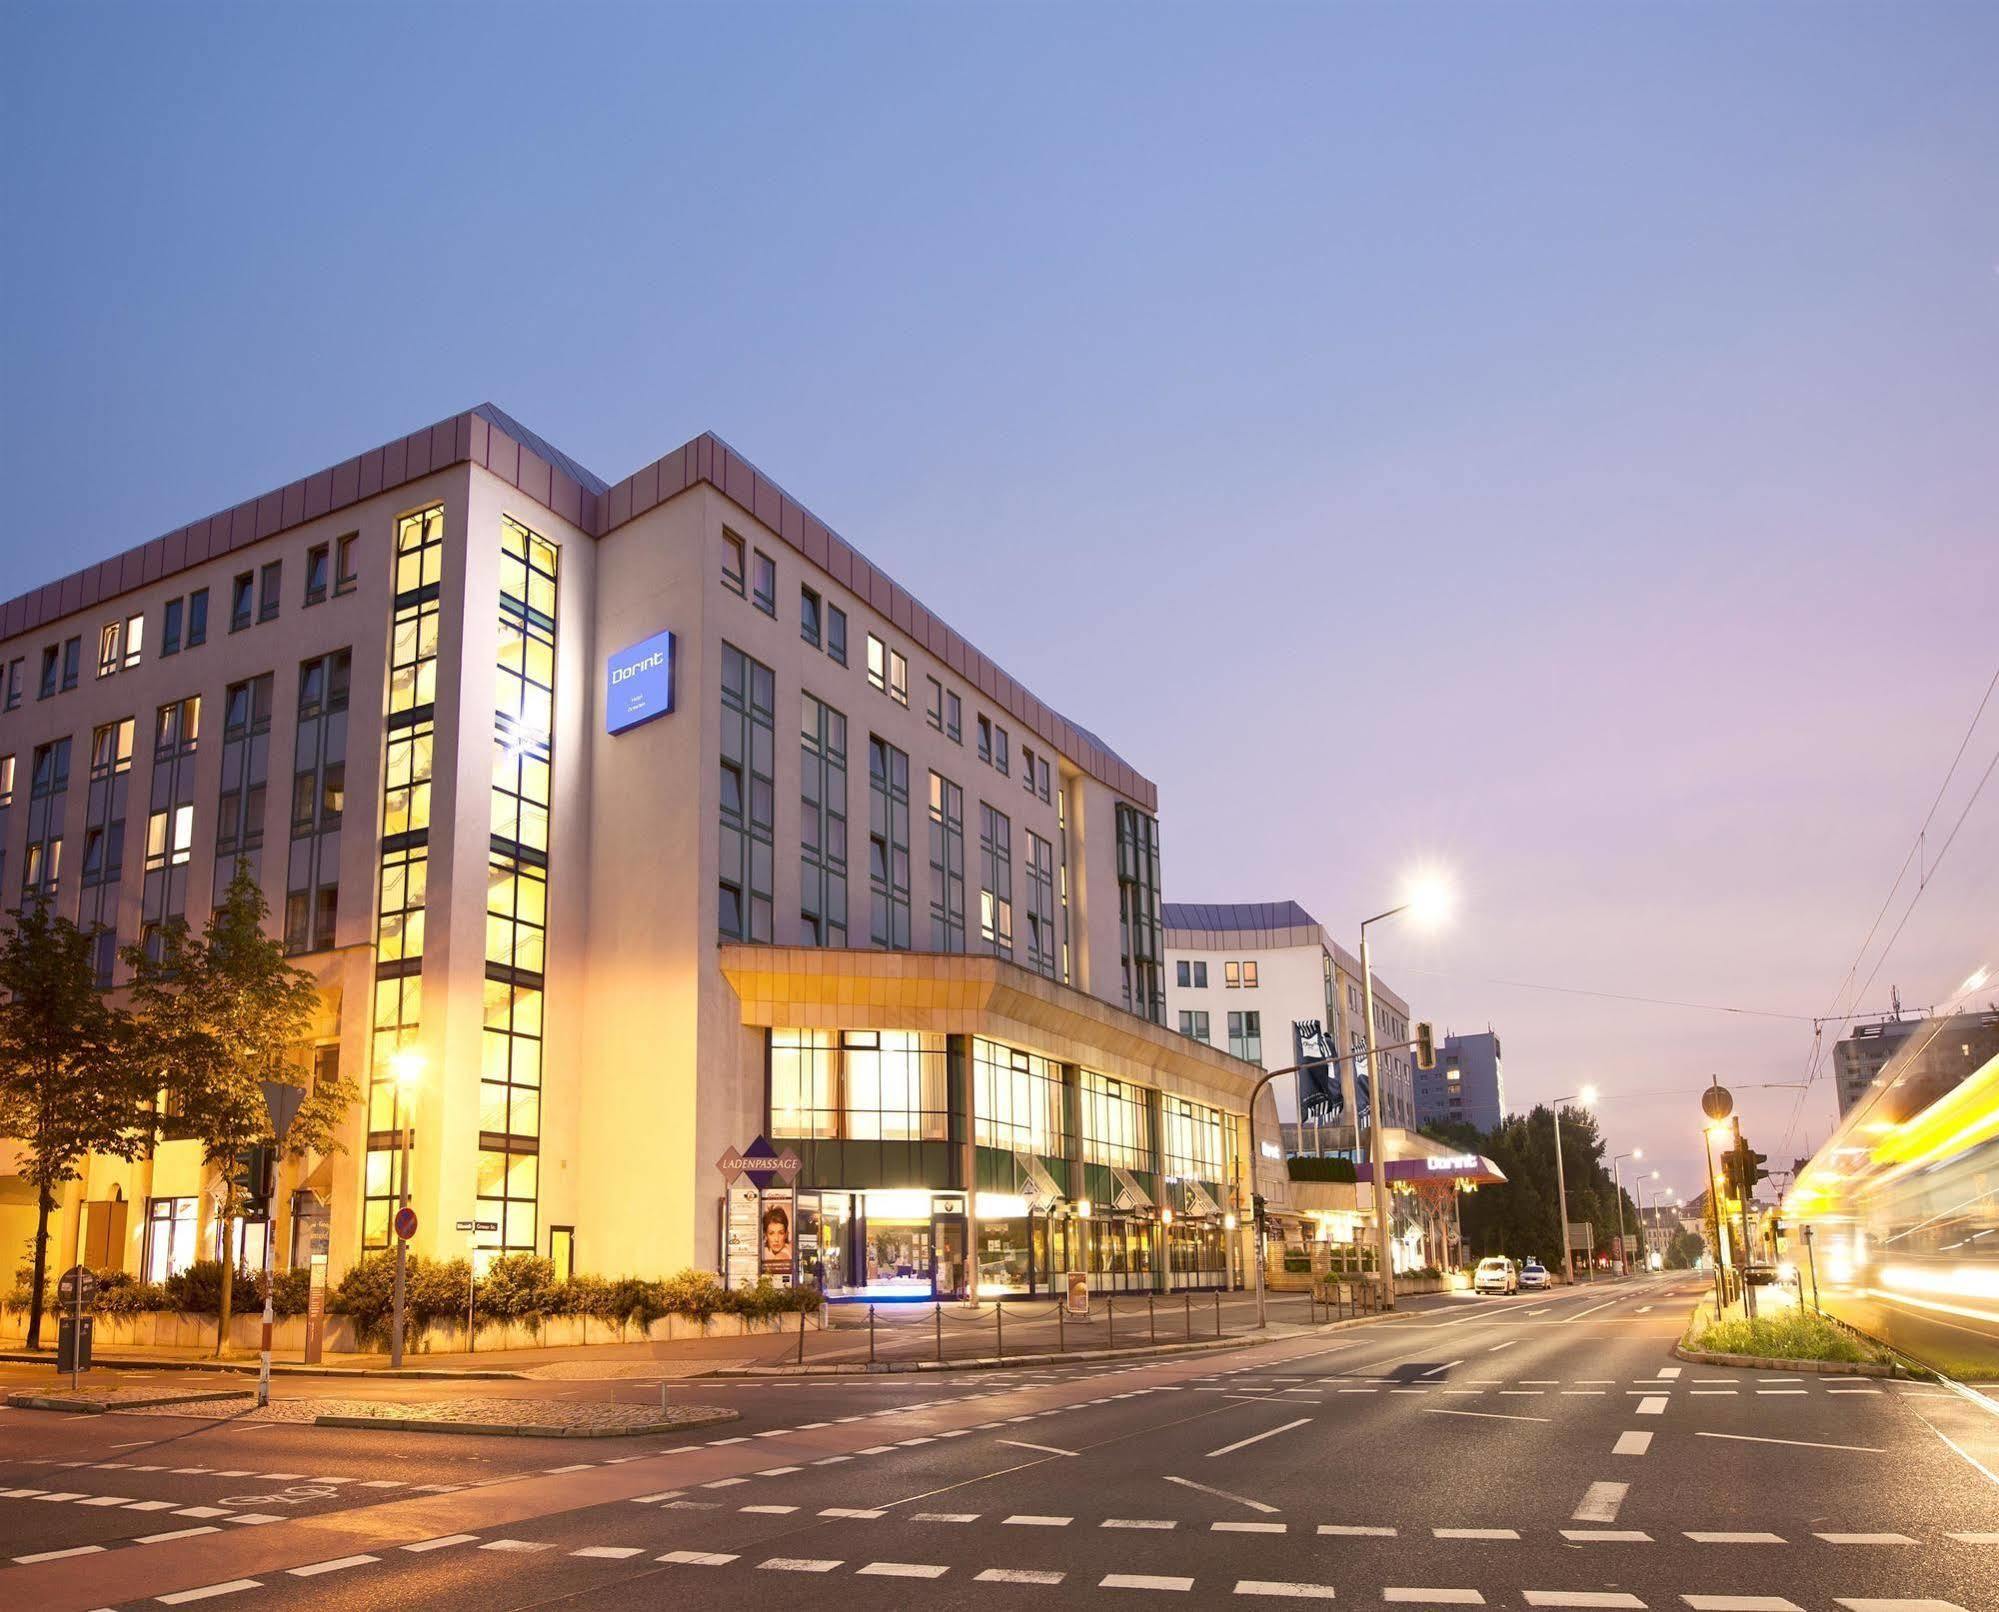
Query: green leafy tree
66, 1084
218, 1014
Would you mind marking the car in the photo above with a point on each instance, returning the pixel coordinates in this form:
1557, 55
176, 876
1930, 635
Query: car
1534, 1274
1496, 1274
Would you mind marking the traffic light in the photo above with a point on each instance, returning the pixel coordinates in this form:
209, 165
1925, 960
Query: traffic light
1426, 1046
251, 1177
1731, 1175
1752, 1169
1256, 1202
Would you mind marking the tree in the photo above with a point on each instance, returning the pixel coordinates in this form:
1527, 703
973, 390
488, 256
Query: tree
66, 1084
1684, 1248
218, 1015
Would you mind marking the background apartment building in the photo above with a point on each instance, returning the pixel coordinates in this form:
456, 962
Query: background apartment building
1467, 1087
638, 822
1923, 1055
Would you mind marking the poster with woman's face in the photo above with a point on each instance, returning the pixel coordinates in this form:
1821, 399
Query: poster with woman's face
776, 1257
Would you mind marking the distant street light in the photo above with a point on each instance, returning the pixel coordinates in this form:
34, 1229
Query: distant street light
1587, 1097
1623, 1258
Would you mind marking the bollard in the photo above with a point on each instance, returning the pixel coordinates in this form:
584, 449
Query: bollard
1151, 1319
1188, 1297
999, 1329
937, 1315
801, 1337
1110, 1318
1061, 1326
1218, 1312
871, 1334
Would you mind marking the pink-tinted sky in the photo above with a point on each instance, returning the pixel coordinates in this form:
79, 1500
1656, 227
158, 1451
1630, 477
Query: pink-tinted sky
1554, 442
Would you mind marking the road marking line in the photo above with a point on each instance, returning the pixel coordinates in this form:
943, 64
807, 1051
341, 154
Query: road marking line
1608, 1536
778, 1471
1257, 1438
1899, 1606
61, 1495
178, 1533
848, 1511
181, 1597
1437, 1597
201, 1511
798, 1564
1045, 1449
441, 1542
944, 1516
1799, 1443
1137, 1522
1476, 1533
1438, 1371
1780, 1390
1710, 1538
59, 1555
1353, 1531
724, 1483
1247, 1527
1143, 1581
110, 1500
768, 1511
1643, 1309
1300, 1592
697, 1558
1508, 1344
1867, 1539
1741, 1603
1670, 1372
338, 1564
1029, 1520
1017, 1575
1633, 1443
1491, 1416
1600, 1502
523, 1546
1655, 1405
901, 1570
1974, 1539
1582, 1598
609, 1553
1223, 1494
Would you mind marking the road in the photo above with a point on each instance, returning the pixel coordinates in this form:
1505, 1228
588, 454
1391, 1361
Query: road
1535, 1451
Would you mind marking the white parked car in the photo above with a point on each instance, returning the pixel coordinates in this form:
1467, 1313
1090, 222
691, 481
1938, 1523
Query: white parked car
1496, 1274
1534, 1274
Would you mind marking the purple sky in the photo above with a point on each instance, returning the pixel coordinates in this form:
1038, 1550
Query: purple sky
1556, 443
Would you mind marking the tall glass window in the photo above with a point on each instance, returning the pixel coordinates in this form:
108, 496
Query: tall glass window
947, 865
170, 819
888, 845
48, 793
749, 700
1117, 1127
246, 762
1017, 1100
319, 802
822, 832
804, 1087
859, 1085
1193, 1144
1140, 940
1043, 955
995, 881
104, 838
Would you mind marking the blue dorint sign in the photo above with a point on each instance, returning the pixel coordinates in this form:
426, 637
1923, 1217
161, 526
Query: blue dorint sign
638, 683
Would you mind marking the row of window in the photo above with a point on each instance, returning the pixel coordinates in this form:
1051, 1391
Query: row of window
1235, 976
1245, 1031
254, 596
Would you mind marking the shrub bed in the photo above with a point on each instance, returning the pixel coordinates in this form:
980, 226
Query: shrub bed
1793, 1335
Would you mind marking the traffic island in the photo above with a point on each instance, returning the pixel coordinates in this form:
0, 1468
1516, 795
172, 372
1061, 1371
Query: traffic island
1790, 1339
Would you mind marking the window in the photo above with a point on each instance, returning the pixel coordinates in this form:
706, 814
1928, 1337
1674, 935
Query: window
888, 845
1249, 975
1000, 762
877, 664
836, 633
1183, 974
1042, 955
1042, 784
246, 753
242, 600
13, 682
1232, 976
735, 562
135, 639
1018, 1102
170, 1237
809, 616
995, 881
947, 865
48, 793
985, 738
1140, 939
170, 624
1117, 1125
861, 1085
318, 563
888, 670
269, 588
1246, 1036
749, 696
954, 718
51, 663
822, 848
1194, 1023
319, 801
6, 782
764, 594
933, 710
1027, 768
109, 639
1193, 1145
345, 576
197, 617
72, 662
1200, 976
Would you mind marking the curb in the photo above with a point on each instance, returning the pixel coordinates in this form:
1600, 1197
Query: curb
246, 1368
1821, 1368
97, 1407
397, 1424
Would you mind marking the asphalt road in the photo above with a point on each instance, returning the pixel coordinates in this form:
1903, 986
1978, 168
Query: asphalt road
1537, 1451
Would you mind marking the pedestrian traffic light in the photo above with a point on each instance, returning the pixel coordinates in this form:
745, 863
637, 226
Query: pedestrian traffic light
1426, 1046
251, 1178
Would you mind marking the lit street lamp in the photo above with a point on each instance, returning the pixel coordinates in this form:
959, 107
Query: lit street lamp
1617, 1181
405, 1070
1587, 1097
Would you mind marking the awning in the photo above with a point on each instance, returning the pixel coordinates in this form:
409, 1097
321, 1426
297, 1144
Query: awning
1471, 1169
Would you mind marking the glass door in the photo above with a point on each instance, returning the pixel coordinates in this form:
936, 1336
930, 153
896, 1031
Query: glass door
947, 1241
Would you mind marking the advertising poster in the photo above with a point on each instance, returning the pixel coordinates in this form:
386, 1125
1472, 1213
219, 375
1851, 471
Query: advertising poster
740, 1235
777, 1227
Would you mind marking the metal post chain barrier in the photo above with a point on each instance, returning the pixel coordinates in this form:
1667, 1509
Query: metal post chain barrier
801, 1337
1110, 1318
1189, 1297
871, 1334
999, 1329
1218, 1312
937, 1315
1062, 1326
1151, 1319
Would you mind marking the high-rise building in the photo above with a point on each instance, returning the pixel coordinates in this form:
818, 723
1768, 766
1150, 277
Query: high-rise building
1924, 1057
632, 823
1466, 1087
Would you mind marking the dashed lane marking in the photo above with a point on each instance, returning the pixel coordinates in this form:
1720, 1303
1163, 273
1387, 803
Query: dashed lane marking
798, 1564
1435, 1597
1797, 1443
1740, 1603
442, 1542
182, 1597
902, 1570
1143, 1581
1607, 1536
1257, 1438
1017, 1575
1583, 1598
1867, 1539
1223, 1494
1600, 1502
1030, 1520
609, 1553
1631, 1444
1343, 1530
339, 1564
1138, 1522
1300, 1592
58, 1555
1728, 1537
1476, 1533
1653, 1405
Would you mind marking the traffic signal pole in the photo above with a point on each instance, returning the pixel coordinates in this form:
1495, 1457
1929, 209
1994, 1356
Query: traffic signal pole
1744, 1170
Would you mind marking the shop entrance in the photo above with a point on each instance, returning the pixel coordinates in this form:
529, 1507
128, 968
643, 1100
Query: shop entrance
885, 1245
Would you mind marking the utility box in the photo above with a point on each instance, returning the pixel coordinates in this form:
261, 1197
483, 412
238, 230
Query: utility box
73, 1342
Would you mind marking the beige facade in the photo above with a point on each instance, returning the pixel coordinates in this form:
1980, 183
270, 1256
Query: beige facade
599, 954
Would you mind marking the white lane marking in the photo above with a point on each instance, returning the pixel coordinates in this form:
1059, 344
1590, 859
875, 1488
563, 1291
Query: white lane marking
1257, 1438
441, 1542
654, 1499
1247, 1527
1435, 1597
1867, 1539
1143, 1581
901, 1570
1643, 1309
1799, 1443
338, 1564
1974, 1539
1669, 1372
1740, 1603
768, 1511
1652, 1405
1476, 1533
1780, 1390
1899, 1606
521, 1546
778, 1471
1491, 1416
1223, 1494
1353, 1531
1137, 1522
182, 1597
110, 1500
1608, 1536
1017, 1575
1589, 1598
1600, 1502
799, 1564
1508, 1344
944, 1516
697, 1558
849, 1511
1030, 1520
609, 1553
178, 1533
1045, 1449
1727, 1538
1299, 1592
59, 1555
1438, 1371
1631, 1444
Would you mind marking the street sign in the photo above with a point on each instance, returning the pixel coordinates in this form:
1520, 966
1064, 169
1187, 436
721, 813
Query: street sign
77, 1277
283, 1100
761, 1162
1716, 1102
406, 1222
478, 1225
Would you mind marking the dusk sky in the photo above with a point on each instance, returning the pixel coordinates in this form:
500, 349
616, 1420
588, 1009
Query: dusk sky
1555, 444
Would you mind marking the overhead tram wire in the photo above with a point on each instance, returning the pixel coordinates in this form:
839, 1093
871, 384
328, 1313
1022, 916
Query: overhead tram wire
1618, 996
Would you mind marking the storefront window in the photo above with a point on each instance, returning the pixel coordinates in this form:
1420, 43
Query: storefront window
803, 1096
1017, 1100
1192, 1145
1117, 1130
895, 1086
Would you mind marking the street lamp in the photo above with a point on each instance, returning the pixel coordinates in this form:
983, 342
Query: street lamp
1430, 901
405, 1071
1587, 1097
1617, 1181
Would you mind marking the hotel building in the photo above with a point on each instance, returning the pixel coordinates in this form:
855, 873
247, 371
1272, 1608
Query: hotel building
632, 824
